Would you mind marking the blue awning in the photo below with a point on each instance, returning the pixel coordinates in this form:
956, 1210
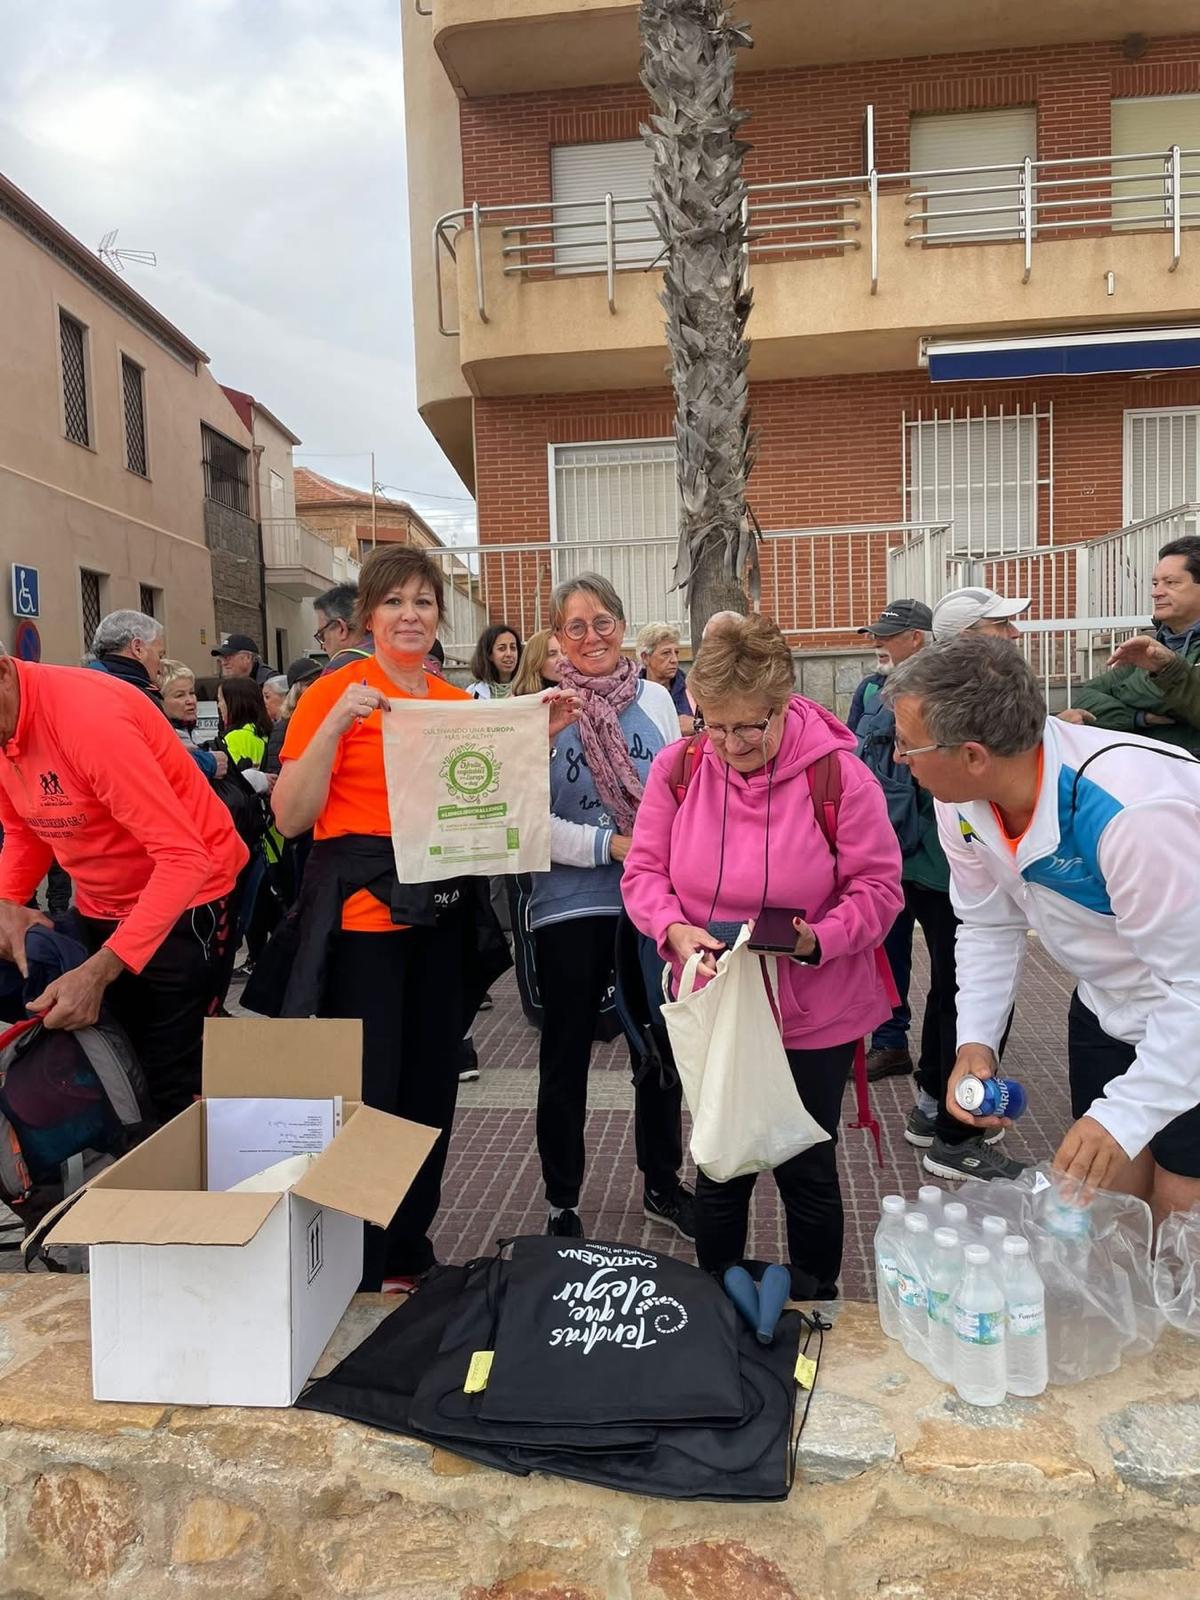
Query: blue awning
1064, 355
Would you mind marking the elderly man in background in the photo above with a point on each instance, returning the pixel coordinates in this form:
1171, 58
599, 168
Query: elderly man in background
239, 658
130, 645
1056, 828
338, 632
980, 612
657, 649
1152, 685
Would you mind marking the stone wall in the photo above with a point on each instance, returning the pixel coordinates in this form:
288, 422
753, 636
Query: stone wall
1089, 1493
237, 571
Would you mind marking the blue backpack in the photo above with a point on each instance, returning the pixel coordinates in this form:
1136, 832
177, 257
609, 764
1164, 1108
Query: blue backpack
877, 750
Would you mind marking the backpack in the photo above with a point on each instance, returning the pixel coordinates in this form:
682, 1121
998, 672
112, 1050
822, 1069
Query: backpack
877, 752
825, 786
247, 810
61, 1093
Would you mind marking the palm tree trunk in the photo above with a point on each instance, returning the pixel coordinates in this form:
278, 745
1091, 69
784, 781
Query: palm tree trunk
698, 197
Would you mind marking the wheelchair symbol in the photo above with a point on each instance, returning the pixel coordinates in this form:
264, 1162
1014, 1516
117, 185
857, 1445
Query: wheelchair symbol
25, 595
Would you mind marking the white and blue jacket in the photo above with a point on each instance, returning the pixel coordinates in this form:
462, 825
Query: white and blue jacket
1108, 876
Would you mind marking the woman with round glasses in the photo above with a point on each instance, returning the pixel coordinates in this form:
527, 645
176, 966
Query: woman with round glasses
598, 767
745, 838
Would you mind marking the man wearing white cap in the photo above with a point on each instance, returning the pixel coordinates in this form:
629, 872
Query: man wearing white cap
976, 611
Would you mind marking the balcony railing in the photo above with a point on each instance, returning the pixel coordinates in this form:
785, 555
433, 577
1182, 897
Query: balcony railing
289, 544
1022, 202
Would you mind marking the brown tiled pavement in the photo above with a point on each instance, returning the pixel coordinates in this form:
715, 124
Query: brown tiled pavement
493, 1183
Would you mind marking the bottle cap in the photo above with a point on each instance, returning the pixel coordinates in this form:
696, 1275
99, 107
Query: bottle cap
929, 1194
955, 1213
946, 1237
916, 1222
1015, 1245
894, 1204
970, 1094
994, 1224
977, 1255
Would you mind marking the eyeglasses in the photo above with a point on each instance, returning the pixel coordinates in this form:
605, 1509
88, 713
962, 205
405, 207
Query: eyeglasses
902, 754
602, 626
319, 636
742, 732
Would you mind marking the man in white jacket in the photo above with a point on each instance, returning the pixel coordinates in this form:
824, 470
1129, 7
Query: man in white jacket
1091, 839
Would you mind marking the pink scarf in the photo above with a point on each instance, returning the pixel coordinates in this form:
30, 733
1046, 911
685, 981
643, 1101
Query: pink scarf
604, 746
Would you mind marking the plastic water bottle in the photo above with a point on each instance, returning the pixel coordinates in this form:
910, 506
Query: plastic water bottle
994, 1231
929, 1200
945, 1271
955, 1215
1077, 1335
980, 1373
887, 1266
912, 1285
1025, 1318
991, 1097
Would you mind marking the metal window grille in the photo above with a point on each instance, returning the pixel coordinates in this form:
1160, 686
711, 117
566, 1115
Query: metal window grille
74, 378
1162, 463
226, 471
984, 474
133, 396
147, 600
90, 606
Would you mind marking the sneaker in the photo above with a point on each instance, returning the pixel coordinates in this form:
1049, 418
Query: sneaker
487, 1003
675, 1208
888, 1064
921, 1130
566, 1225
469, 1071
974, 1158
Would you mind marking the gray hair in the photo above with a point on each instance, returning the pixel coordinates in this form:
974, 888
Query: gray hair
973, 689
590, 583
653, 634
338, 603
278, 684
718, 620
119, 629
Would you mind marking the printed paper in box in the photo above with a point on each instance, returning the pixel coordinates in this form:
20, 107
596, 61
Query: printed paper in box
468, 787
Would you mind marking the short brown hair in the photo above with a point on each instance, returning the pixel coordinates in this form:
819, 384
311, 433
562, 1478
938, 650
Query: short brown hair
390, 567
745, 656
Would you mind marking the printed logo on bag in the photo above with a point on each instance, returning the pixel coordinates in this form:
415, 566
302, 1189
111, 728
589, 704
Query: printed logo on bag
471, 771
316, 1246
614, 1305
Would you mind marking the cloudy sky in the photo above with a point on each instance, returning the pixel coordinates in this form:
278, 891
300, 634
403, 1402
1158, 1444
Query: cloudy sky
257, 146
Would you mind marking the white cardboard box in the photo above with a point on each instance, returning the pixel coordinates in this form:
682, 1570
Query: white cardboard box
210, 1298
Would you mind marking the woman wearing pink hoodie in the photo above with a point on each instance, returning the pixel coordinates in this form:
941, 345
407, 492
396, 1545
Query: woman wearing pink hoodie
745, 837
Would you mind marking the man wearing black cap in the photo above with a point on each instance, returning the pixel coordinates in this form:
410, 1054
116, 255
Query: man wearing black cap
239, 658
900, 631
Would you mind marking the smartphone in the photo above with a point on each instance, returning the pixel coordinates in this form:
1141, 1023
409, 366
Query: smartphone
773, 931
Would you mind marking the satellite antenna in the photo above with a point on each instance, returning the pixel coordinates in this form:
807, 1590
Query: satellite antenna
116, 259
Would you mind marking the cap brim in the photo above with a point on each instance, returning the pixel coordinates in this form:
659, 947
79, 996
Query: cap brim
887, 630
1004, 608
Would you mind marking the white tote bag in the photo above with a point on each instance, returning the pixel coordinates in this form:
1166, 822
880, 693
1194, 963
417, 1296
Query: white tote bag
746, 1113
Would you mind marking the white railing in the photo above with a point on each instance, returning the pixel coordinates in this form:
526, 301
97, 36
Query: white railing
1020, 202
290, 543
833, 580
1067, 652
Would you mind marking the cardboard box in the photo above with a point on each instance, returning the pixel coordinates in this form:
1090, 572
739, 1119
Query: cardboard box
202, 1298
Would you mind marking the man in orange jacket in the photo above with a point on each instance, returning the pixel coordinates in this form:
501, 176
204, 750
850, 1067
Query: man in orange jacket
92, 773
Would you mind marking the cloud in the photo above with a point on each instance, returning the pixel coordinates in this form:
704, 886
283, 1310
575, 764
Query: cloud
257, 146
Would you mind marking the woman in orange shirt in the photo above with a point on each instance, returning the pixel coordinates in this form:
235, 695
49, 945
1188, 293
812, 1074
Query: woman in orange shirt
368, 946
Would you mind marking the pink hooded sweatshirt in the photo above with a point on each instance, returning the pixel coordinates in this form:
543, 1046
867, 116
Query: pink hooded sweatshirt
720, 832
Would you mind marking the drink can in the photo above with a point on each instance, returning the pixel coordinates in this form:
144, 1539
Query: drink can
991, 1097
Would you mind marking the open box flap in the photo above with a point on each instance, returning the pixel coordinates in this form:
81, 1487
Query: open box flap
123, 1216
298, 1058
369, 1167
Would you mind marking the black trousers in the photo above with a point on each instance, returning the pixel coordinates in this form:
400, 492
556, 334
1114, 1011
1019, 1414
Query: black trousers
575, 973
932, 911
404, 986
808, 1185
163, 1007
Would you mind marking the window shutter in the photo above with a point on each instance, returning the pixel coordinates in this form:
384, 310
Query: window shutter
972, 139
1162, 452
587, 172
980, 472
1150, 126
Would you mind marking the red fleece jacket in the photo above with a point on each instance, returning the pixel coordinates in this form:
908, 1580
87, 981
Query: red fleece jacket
96, 777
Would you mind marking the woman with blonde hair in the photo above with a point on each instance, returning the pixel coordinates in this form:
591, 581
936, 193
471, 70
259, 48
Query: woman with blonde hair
541, 664
745, 838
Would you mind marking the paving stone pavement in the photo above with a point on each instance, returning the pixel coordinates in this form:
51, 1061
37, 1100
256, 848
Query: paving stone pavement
493, 1184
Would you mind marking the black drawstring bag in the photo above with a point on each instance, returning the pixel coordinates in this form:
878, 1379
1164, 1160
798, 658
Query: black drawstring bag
591, 1333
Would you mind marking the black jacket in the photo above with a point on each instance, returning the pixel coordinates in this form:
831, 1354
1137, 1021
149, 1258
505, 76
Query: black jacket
131, 672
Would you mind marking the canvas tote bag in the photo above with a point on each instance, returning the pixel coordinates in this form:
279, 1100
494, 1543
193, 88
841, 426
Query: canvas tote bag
747, 1115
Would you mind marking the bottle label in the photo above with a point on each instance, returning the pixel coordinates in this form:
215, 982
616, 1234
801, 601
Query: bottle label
940, 1309
910, 1290
1026, 1317
888, 1270
979, 1327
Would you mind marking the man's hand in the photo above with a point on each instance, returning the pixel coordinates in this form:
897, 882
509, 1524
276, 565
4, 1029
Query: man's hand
15, 922
74, 1000
1075, 714
565, 706
222, 761
972, 1061
684, 941
1143, 652
1155, 719
1089, 1154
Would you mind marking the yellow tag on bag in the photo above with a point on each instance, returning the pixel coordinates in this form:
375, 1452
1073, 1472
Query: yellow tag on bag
806, 1371
479, 1372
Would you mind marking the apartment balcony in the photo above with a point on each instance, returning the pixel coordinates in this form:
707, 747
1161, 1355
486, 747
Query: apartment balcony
299, 563
849, 274
498, 47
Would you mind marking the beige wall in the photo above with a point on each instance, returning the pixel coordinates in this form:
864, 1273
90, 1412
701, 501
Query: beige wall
64, 506
274, 450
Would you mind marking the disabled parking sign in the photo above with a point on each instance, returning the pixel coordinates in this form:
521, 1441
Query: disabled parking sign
26, 601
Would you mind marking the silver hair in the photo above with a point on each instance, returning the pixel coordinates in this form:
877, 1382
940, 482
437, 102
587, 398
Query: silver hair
278, 684
653, 634
119, 629
591, 583
717, 619
973, 689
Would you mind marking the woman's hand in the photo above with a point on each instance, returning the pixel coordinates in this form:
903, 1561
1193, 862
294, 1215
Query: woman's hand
684, 941
565, 706
806, 939
618, 846
356, 702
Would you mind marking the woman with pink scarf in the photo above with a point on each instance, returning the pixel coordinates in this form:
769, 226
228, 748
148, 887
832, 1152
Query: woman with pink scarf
598, 767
